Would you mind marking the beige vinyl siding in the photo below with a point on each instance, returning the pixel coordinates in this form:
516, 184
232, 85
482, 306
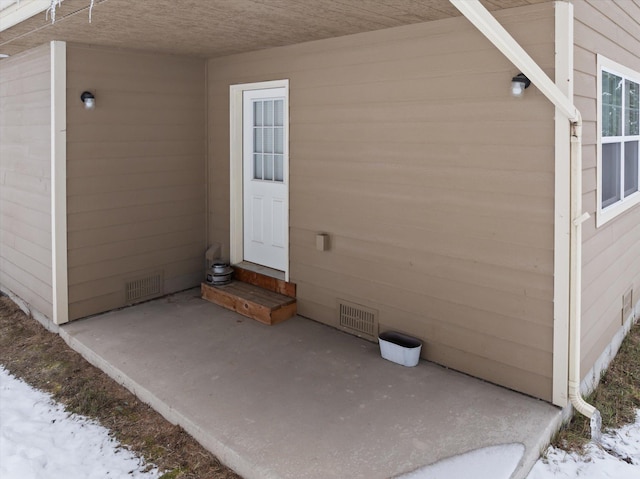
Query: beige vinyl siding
136, 174
25, 177
435, 186
611, 253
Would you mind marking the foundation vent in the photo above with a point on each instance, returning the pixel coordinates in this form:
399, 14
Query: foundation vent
358, 319
144, 287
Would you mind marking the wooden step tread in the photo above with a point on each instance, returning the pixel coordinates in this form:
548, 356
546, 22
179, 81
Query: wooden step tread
256, 294
251, 301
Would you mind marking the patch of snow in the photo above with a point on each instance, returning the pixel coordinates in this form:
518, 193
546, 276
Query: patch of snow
618, 457
495, 462
39, 440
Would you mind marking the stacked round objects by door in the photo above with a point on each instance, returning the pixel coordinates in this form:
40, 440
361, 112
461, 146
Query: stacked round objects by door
220, 274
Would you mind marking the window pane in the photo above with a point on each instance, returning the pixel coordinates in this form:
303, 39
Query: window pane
632, 108
278, 113
611, 104
257, 113
610, 173
630, 168
257, 167
268, 140
278, 167
257, 140
268, 167
268, 113
279, 140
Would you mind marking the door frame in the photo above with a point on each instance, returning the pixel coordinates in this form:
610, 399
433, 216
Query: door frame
236, 225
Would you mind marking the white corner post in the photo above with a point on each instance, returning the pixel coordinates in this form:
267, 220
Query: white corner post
505, 43
60, 283
562, 205
236, 252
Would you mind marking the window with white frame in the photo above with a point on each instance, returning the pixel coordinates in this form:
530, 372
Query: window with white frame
619, 139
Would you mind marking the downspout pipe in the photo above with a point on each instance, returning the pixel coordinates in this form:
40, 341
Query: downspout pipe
575, 282
505, 43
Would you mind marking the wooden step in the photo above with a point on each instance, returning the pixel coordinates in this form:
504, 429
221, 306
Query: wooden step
263, 281
251, 301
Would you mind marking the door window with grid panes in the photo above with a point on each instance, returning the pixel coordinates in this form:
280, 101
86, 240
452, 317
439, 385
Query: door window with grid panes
268, 140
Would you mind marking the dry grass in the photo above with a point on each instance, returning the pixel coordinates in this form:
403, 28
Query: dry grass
43, 359
617, 397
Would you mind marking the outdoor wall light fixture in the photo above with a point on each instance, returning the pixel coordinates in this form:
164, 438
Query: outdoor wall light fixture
518, 85
88, 99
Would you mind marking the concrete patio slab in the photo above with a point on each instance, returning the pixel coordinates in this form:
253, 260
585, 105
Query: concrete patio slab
300, 399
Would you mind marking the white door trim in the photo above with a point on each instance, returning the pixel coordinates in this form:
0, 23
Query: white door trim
236, 250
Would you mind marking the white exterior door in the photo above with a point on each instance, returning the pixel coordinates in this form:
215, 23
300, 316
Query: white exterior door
265, 160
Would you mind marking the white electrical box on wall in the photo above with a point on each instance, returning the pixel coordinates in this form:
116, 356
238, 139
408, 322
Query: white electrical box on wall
322, 242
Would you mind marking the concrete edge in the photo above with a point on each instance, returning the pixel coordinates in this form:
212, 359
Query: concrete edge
533, 453
224, 453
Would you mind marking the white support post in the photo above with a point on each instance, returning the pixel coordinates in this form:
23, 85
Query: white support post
59, 182
562, 214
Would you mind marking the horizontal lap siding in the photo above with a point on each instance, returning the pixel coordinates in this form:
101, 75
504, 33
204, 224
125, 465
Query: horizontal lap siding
135, 169
25, 177
611, 253
435, 186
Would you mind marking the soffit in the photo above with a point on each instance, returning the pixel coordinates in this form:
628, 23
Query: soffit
216, 28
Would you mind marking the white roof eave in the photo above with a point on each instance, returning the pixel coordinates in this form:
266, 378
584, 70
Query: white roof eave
16, 11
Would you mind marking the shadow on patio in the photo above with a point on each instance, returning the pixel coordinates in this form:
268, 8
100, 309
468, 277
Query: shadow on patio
300, 399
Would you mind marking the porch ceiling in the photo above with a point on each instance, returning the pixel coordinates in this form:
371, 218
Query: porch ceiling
216, 28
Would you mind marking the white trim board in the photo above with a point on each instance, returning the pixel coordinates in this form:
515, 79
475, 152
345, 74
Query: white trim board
21, 11
59, 271
562, 209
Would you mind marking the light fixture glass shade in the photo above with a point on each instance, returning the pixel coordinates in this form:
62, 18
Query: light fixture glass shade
519, 84
88, 100
517, 88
